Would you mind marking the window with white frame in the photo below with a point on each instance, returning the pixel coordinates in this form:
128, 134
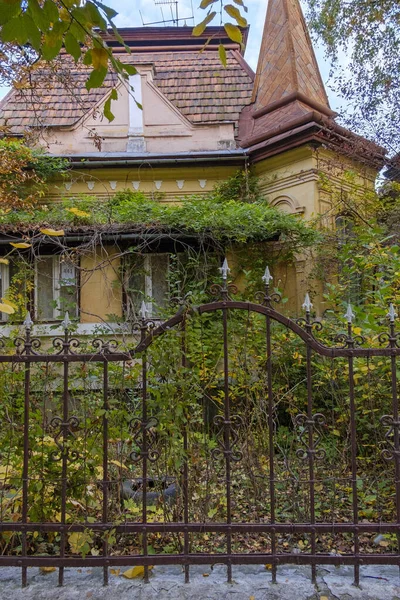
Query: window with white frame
146, 279
55, 288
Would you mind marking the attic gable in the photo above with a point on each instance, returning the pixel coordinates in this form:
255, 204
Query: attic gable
194, 82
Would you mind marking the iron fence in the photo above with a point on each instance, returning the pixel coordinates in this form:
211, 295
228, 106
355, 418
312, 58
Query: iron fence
112, 501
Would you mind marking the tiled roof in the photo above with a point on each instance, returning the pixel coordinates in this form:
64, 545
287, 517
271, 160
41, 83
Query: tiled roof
195, 82
287, 61
199, 86
56, 98
288, 89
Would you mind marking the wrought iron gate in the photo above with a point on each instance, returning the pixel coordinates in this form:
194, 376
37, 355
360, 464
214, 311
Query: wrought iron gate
63, 439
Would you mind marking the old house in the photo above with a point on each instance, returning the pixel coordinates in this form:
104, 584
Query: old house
200, 123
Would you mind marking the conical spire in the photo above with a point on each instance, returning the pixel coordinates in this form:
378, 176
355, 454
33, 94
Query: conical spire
287, 63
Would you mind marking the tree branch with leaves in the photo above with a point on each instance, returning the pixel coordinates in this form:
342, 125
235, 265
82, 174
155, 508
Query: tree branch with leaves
368, 33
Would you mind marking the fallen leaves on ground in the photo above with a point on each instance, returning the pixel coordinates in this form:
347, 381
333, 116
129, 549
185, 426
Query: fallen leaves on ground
47, 569
135, 572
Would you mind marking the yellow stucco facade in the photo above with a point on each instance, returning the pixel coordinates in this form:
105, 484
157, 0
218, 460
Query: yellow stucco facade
293, 182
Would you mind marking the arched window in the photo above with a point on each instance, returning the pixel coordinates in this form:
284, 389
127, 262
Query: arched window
349, 274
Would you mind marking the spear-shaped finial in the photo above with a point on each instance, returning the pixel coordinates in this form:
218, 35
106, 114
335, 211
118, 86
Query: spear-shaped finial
28, 321
267, 277
307, 304
143, 310
392, 314
349, 314
66, 322
224, 270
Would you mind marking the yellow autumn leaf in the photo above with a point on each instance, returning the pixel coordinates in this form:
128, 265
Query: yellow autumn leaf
4, 261
9, 303
233, 32
47, 569
53, 232
20, 244
135, 572
115, 572
99, 58
78, 541
119, 464
357, 330
78, 212
198, 29
8, 310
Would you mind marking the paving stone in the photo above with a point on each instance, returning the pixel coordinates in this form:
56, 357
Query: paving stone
167, 582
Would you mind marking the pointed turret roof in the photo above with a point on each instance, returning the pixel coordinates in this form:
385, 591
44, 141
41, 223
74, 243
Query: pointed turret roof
288, 90
289, 105
287, 63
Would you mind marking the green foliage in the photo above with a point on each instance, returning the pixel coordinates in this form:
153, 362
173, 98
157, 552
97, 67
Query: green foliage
24, 173
359, 260
213, 217
367, 31
43, 28
232, 29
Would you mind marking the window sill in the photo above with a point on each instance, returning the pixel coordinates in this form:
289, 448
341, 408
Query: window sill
80, 329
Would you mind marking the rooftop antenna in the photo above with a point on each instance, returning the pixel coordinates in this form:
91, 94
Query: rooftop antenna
174, 9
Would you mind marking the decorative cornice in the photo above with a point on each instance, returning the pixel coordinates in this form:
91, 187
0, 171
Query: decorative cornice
291, 98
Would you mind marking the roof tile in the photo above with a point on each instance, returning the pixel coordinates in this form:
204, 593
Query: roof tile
195, 83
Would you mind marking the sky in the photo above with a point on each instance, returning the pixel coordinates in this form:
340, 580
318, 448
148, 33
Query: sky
134, 14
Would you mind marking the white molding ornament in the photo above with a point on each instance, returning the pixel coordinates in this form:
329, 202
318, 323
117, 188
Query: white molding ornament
158, 184
203, 183
113, 185
180, 183
68, 185
90, 185
136, 185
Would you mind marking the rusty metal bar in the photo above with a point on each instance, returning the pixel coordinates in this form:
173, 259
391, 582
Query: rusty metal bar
271, 445
64, 454
202, 559
186, 546
395, 405
227, 442
311, 450
144, 452
176, 527
353, 437
25, 468
105, 482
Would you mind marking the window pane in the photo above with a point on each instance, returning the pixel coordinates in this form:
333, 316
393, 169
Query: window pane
135, 285
3, 316
44, 288
68, 291
20, 280
159, 280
